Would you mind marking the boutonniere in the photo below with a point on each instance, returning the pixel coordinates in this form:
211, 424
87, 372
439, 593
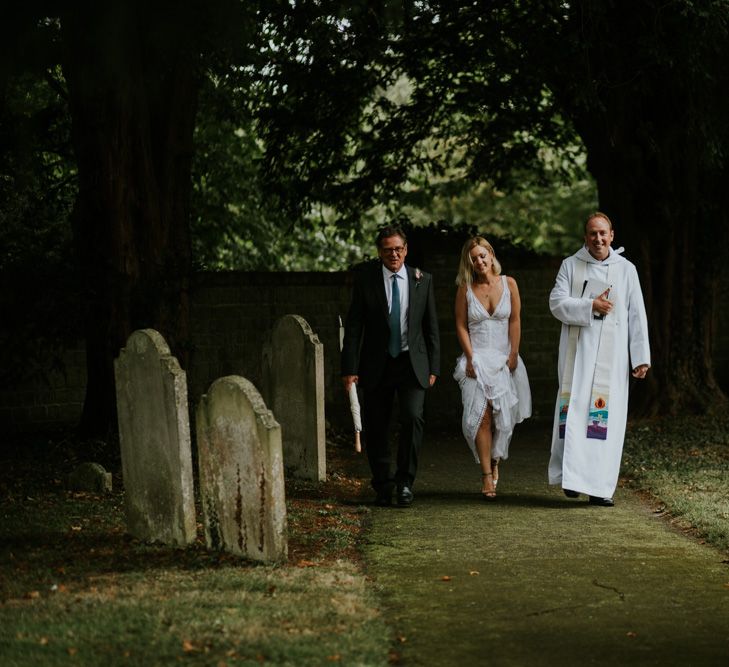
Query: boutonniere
418, 276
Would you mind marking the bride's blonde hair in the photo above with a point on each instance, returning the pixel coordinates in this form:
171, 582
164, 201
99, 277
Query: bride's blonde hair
465, 267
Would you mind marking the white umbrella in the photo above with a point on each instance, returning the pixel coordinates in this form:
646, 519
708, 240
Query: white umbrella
353, 399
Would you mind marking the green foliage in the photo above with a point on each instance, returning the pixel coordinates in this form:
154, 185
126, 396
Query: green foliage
236, 222
547, 219
324, 119
438, 116
39, 299
311, 132
37, 172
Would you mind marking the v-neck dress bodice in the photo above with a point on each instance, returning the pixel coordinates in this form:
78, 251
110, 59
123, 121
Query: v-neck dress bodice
507, 392
489, 330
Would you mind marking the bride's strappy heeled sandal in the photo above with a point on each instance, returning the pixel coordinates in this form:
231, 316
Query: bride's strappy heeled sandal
489, 495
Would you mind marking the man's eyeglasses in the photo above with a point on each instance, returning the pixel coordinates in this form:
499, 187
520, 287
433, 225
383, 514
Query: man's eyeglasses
393, 251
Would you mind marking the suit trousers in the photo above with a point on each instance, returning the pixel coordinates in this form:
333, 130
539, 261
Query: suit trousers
398, 379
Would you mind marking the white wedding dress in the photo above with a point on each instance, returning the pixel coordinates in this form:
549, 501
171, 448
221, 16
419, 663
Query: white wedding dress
507, 392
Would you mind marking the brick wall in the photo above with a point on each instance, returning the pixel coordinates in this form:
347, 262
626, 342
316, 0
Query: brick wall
540, 331
51, 397
233, 312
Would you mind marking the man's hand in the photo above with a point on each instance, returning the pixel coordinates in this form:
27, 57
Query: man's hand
601, 305
640, 371
348, 380
432, 379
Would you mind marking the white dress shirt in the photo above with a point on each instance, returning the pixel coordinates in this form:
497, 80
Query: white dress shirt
403, 285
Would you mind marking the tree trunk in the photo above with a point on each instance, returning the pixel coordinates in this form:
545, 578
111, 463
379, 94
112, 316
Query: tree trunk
657, 209
647, 128
132, 89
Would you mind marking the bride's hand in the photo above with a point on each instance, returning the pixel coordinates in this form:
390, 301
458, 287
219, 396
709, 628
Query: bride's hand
512, 362
470, 371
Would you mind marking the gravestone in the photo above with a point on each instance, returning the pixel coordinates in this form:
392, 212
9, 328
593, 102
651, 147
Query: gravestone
90, 477
294, 387
241, 472
154, 433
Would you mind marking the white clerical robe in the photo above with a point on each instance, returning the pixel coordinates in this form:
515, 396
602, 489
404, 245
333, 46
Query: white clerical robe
578, 461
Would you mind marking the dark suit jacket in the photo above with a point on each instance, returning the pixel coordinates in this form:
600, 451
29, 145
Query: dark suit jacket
367, 329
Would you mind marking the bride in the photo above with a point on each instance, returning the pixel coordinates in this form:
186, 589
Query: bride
492, 377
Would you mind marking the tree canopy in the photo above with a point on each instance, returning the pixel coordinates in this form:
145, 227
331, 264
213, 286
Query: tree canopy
503, 87
217, 132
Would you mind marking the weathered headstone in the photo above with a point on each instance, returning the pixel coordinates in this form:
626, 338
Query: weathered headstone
241, 472
90, 477
294, 386
154, 433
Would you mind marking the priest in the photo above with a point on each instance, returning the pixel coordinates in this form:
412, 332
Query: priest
598, 299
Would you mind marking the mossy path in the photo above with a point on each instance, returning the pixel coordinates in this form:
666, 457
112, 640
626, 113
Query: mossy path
537, 579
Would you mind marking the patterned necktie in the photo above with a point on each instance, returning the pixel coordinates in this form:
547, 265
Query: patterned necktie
394, 345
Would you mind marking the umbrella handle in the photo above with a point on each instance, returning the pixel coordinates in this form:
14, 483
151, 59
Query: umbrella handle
357, 443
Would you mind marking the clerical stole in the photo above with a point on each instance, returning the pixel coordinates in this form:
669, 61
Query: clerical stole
597, 418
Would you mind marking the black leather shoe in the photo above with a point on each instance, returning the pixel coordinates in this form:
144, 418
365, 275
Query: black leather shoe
601, 502
570, 493
404, 496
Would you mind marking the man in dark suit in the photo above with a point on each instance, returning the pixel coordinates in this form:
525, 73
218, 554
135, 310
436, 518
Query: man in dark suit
392, 346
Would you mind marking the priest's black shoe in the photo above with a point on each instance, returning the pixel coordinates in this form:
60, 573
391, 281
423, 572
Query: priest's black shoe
602, 502
570, 493
404, 496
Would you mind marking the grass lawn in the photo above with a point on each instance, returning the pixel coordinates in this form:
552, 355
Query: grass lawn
75, 590
683, 464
